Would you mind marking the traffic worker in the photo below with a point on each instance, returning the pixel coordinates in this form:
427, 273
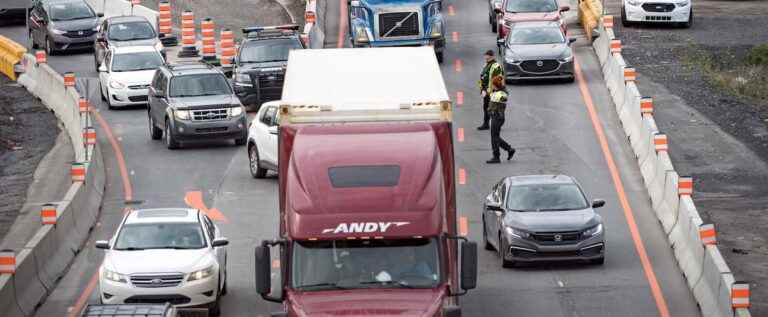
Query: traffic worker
491, 70
496, 107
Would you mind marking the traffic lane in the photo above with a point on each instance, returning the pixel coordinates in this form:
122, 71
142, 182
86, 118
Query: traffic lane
550, 127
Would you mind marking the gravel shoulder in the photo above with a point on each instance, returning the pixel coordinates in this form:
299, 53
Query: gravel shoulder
719, 138
28, 131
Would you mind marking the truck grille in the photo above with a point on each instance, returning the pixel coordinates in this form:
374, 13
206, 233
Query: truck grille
79, 34
397, 24
541, 66
155, 281
658, 7
552, 237
209, 114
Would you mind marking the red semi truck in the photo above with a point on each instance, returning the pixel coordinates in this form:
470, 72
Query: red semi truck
368, 223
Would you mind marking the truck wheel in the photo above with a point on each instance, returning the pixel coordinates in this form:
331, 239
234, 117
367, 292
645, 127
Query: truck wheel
440, 57
503, 249
488, 245
154, 132
253, 158
170, 141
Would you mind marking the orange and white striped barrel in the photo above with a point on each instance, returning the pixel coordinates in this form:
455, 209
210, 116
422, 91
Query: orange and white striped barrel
740, 295
7, 262
48, 214
629, 74
707, 234
660, 142
77, 171
646, 106
188, 31
685, 186
608, 21
615, 46
82, 104
89, 135
40, 57
165, 19
69, 79
227, 43
208, 31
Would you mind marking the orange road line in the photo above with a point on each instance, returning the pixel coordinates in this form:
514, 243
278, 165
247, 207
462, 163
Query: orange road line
275, 264
451, 10
127, 189
658, 296
459, 98
462, 176
460, 134
457, 65
455, 36
194, 199
463, 226
342, 23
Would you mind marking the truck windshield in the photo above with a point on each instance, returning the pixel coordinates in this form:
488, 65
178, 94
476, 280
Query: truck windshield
355, 264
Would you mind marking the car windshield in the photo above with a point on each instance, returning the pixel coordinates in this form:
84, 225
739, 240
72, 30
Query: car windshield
131, 31
546, 197
536, 35
70, 11
354, 264
136, 61
162, 235
267, 50
523, 6
199, 85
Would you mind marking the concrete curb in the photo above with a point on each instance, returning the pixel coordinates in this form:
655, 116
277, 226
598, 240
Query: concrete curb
708, 275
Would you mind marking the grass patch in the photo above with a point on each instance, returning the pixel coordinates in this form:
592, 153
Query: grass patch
743, 75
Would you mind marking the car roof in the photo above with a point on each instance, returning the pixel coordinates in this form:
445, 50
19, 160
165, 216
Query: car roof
157, 215
540, 179
133, 49
181, 69
49, 2
126, 19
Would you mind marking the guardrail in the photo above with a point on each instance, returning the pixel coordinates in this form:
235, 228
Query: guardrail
706, 272
10, 56
31, 273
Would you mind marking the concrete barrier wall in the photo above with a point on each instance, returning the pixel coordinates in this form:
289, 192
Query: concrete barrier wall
706, 272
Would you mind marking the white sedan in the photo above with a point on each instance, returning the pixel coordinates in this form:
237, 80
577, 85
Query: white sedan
126, 73
262, 140
174, 255
678, 12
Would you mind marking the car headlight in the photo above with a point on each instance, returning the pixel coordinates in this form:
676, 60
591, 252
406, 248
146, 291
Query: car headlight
593, 230
517, 232
568, 57
201, 274
114, 276
56, 31
436, 29
235, 111
243, 79
182, 114
361, 34
116, 84
682, 3
512, 59
633, 2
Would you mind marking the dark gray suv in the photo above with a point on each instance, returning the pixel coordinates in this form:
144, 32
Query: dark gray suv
190, 102
59, 25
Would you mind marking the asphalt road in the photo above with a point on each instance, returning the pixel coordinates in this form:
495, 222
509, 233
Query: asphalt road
549, 124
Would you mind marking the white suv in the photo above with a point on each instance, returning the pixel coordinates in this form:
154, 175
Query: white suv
125, 75
165, 255
262, 140
679, 12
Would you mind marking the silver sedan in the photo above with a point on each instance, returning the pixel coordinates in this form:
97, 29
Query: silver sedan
537, 50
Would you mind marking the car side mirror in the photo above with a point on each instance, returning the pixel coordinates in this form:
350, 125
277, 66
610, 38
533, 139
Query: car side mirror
219, 242
571, 40
102, 68
597, 203
491, 204
565, 8
468, 265
158, 93
102, 244
100, 14
272, 129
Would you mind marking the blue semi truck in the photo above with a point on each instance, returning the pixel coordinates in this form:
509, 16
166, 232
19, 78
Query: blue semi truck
378, 23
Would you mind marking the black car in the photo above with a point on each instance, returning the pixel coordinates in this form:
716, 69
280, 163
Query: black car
59, 25
261, 62
129, 30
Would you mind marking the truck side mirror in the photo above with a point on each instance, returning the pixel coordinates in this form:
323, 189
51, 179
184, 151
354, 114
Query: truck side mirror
102, 244
263, 271
468, 265
597, 203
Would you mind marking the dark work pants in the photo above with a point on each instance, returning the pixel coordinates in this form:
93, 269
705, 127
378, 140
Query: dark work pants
497, 120
486, 116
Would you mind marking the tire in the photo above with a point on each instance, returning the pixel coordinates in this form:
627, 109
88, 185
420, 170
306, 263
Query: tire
570, 79
502, 248
170, 140
101, 92
32, 40
624, 21
49, 50
598, 261
242, 141
487, 245
689, 23
253, 160
214, 309
155, 133
440, 57
109, 101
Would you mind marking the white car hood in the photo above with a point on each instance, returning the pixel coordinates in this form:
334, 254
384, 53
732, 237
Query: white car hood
157, 260
143, 77
658, 1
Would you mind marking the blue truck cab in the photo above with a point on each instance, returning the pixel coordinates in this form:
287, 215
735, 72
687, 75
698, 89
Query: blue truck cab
379, 23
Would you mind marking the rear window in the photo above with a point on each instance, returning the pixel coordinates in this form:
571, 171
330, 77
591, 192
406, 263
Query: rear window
364, 176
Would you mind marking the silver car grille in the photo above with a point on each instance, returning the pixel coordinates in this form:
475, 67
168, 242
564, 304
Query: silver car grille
157, 280
210, 114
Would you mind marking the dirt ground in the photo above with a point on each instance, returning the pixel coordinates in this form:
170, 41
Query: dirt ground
28, 131
730, 185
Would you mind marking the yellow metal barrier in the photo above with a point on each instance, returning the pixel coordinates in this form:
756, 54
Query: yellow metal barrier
10, 55
590, 12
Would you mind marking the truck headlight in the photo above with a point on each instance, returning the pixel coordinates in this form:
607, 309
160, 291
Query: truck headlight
201, 274
235, 111
114, 276
436, 29
182, 114
116, 84
361, 34
517, 232
593, 230
243, 79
